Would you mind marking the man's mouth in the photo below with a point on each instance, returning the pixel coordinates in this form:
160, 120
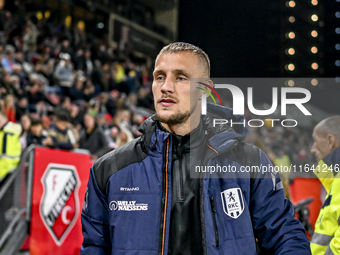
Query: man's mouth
167, 102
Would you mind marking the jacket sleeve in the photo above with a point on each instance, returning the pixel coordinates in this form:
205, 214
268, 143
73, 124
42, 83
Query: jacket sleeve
94, 218
277, 231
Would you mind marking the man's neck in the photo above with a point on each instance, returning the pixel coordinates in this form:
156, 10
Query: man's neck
2, 123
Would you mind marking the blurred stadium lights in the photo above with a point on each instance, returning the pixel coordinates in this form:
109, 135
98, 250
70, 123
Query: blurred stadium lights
314, 33
306, 19
315, 66
314, 17
314, 82
314, 50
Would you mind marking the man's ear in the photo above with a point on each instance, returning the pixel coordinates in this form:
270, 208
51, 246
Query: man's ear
331, 142
208, 82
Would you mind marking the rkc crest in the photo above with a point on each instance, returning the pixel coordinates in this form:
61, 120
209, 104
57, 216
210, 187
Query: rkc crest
233, 203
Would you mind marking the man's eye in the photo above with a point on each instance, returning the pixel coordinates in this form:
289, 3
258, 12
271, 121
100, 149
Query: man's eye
181, 78
160, 78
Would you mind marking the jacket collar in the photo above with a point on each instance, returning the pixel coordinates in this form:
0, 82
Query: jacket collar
333, 158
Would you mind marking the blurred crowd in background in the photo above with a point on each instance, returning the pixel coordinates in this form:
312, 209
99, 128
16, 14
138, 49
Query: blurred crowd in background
71, 90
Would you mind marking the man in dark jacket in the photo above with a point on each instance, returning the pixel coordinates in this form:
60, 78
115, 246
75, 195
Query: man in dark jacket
141, 198
93, 138
60, 136
36, 134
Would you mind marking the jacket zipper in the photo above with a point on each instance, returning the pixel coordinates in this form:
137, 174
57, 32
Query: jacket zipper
202, 196
213, 208
164, 198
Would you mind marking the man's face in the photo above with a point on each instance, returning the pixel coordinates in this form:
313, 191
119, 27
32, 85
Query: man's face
171, 87
37, 129
89, 121
320, 147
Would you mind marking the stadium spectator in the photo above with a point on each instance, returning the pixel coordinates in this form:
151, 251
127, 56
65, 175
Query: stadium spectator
10, 147
93, 138
30, 40
326, 149
25, 122
9, 108
7, 62
36, 134
21, 107
112, 135
107, 104
60, 136
64, 72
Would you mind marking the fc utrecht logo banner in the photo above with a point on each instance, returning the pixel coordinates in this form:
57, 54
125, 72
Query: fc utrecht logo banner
232, 201
59, 206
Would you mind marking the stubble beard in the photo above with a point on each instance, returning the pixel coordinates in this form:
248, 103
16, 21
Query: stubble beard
176, 118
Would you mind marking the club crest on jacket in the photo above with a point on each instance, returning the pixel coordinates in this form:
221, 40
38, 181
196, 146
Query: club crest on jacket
233, 203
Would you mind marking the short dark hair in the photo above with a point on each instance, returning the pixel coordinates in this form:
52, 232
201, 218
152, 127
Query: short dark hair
35, 122
187, 47
62, 115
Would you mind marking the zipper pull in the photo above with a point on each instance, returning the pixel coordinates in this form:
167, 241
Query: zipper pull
212, 204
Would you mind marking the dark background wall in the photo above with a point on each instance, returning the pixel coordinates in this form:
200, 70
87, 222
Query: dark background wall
240, 37
246, 39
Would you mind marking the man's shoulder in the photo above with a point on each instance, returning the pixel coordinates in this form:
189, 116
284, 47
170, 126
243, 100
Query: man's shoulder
116, 160
245, 153
13, 128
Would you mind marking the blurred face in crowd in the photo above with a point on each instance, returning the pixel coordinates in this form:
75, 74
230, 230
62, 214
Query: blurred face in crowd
25, 122
37, 129
89, 121
19, 56
114, 132
23, 102
171, 87
62, 125
322, 145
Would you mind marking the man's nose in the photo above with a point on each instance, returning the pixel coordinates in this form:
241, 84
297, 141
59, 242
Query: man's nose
168, 86
312, 150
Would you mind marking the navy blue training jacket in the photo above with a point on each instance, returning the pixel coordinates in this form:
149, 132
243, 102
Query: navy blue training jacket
128, 199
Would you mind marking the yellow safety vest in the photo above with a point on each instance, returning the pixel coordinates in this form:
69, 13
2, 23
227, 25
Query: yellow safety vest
326, 238
10, 148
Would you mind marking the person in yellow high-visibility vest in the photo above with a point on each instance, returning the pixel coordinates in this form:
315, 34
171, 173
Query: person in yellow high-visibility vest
326, 148
10, 147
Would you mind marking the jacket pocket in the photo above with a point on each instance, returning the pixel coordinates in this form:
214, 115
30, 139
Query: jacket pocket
213, 209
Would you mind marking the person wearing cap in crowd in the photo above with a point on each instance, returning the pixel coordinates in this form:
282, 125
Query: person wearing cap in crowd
63, 73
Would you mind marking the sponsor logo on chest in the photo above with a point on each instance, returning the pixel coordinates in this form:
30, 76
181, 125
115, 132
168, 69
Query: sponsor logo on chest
127, 206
